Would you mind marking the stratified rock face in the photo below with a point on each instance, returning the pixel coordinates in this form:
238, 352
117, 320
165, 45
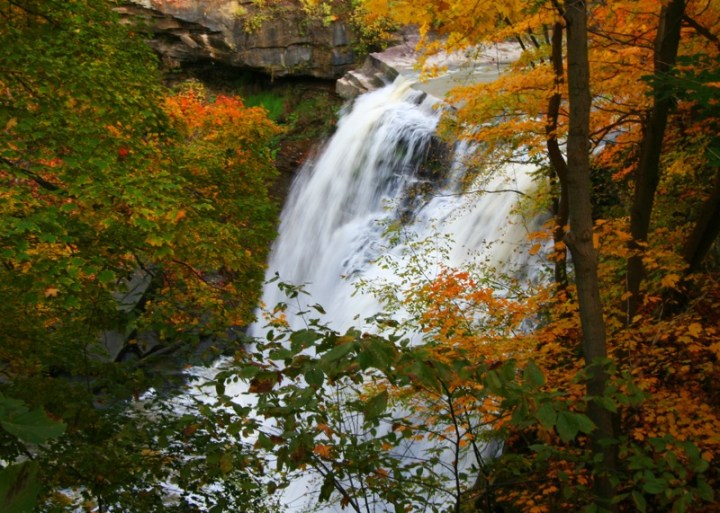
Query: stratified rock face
274, 36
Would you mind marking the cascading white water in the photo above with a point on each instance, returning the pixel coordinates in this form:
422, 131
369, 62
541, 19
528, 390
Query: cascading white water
331, 226
334, 225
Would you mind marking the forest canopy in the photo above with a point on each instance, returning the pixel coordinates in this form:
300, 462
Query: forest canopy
138, 214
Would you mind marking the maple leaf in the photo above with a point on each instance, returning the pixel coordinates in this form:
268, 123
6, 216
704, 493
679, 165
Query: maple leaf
324, 451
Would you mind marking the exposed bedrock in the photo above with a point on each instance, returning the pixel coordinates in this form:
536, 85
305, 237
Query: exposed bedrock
277, 38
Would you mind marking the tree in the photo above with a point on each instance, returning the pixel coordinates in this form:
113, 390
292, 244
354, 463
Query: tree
580, 242
109, 181
574, 175
647, 174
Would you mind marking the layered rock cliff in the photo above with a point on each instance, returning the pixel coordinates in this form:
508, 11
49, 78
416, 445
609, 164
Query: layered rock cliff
276, 37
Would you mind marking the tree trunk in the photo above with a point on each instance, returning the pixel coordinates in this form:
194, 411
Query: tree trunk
696, 247
557, 161
648, 172
704, 232
580, 242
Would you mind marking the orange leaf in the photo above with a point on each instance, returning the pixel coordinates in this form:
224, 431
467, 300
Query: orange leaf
324, 451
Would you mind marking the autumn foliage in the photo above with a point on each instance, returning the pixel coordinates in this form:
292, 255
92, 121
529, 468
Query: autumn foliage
501, 361
128, 212
648, 61
478, 401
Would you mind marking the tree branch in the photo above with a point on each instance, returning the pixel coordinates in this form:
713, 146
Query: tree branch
24, 167
478, 191
703, 31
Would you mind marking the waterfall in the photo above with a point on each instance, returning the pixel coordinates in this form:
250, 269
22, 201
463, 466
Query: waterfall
334, 226
356, 206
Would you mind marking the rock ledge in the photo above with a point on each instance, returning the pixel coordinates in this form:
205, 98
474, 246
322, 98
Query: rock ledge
279, 39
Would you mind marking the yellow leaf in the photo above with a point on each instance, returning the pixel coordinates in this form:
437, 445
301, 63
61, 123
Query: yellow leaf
10, 124
154, 240
51, 292
715, 348
695, 329
670, 280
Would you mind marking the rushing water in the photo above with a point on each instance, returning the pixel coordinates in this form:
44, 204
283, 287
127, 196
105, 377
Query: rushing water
334, 226
354, 216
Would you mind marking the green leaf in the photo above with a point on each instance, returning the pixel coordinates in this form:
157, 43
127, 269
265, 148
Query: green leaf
705, 491
220, 387
8, 405
566, 427
583, 423
493, 381
19, 487
327, 488
314, 377
376, 406
318, 307
654, 485
264, 442
547, 415
377, 353
337, 352
281, 353
507, 371
226, 463
106, 276
533, 374
32, 426
639, 501
607, 403
302, 339
420, 371
248, 371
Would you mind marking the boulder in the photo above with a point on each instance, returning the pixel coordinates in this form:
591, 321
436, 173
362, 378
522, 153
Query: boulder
275, 37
